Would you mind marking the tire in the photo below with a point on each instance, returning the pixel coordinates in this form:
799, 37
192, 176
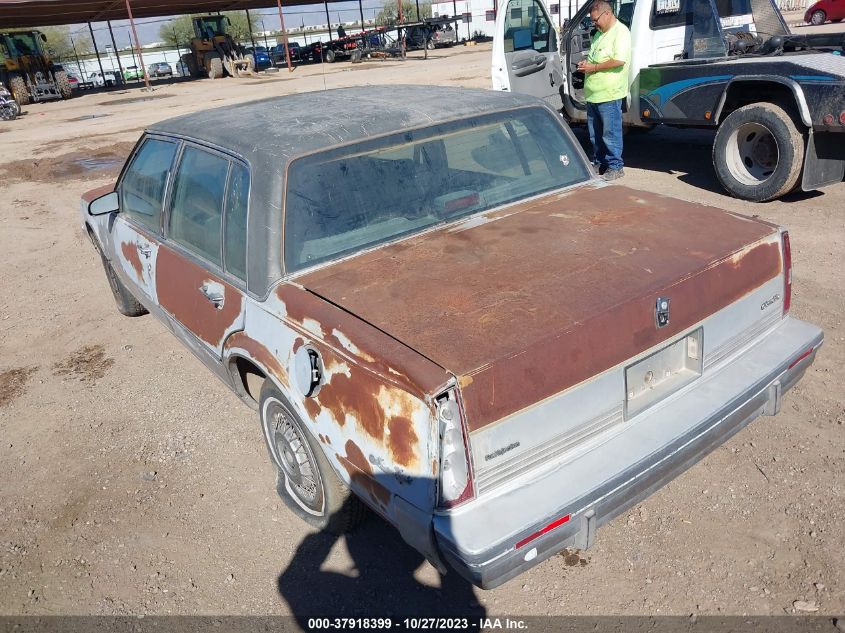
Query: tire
330, 56
818, 18
758, 152
62, 84
215, 68
355, 58
126, 302
17, 86
250, 62
305, 480
430, 45
7, 112
191, 64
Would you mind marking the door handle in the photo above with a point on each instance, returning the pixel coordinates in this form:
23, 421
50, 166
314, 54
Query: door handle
144, 249
528, 65
214, 293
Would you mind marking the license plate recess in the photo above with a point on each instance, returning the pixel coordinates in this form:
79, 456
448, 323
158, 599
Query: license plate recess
651, 379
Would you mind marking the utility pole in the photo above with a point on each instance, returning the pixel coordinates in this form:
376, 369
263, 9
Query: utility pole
138, 43
97, 53
401, 30
249, 26
285, 35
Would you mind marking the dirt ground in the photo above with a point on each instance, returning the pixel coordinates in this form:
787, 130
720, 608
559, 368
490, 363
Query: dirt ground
133, 482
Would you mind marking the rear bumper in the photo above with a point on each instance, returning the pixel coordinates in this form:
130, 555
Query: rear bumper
479, 540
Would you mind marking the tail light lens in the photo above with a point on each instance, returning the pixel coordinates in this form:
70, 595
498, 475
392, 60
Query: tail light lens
787, 273
455, 467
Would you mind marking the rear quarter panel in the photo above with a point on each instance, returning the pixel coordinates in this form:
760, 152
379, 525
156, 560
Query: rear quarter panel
373, 413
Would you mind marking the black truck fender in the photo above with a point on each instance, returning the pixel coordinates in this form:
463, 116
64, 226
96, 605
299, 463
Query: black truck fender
794, 87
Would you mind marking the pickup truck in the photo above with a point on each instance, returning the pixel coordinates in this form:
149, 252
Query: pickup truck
777, 100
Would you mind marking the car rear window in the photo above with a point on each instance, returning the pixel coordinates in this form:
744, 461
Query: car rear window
348, 199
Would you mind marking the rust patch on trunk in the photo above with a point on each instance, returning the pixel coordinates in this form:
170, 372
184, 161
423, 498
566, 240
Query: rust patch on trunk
387, 357
258, 353
130, 252
361, 474
550, 294
178, 282
402, 440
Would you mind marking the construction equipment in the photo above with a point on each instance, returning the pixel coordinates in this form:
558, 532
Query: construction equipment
214, 53
27, 68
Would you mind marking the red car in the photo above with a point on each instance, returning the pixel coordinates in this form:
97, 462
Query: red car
824, 10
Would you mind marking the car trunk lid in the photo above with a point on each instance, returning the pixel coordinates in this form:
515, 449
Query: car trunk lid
526, 301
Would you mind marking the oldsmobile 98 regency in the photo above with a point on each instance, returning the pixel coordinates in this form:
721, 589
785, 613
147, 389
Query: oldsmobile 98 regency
439, 312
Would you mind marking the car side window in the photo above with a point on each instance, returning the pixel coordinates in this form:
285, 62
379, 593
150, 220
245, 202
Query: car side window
196, 208
528, 28
142, 188
234, 231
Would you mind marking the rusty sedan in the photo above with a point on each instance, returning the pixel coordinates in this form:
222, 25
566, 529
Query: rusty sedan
440, 314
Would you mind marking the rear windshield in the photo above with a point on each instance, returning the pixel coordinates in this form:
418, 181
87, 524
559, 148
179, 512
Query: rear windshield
355, 197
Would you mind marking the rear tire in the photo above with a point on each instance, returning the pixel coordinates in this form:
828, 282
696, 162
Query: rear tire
758, 152
17, 86
126, 302
215, 68
330, 56
818, 18
305, 480
63, 84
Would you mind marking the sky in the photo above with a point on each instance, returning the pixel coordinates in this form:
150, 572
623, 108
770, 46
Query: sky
148, 28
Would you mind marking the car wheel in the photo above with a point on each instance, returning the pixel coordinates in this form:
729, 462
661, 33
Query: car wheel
127, 304
17, 86
818, 17
305, 480
758, 152
330, 56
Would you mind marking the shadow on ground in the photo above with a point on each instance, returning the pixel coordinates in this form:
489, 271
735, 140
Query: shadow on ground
380, 583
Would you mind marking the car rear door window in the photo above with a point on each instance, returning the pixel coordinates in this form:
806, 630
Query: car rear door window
196, 209
143, 185
234, 233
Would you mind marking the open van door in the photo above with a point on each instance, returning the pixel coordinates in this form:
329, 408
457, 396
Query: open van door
525, 52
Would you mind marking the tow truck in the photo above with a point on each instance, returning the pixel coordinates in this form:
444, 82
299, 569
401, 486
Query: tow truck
775, 99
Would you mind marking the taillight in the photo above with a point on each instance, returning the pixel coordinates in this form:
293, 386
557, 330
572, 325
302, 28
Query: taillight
455, 467
787, 273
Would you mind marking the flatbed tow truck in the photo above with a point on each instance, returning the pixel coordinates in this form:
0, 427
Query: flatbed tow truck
775, 99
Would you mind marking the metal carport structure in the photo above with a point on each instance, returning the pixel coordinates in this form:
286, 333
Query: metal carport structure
21, 13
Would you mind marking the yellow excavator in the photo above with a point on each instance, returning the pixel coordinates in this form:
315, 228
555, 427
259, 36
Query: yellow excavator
214, 53
27, 69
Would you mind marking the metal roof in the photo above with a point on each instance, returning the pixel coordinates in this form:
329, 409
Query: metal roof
20, 13
276, 129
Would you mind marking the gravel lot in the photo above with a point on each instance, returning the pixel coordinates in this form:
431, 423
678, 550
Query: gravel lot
133, 482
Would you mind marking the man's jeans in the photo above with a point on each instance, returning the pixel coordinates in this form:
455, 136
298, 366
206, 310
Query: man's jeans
604, 120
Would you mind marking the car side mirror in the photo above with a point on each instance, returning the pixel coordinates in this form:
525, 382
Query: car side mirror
108, 203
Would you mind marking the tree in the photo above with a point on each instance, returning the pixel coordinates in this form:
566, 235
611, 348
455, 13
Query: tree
180, 31
62, 43
177, 32
389, 10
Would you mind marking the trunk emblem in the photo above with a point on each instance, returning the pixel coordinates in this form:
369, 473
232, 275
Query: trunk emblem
661, 311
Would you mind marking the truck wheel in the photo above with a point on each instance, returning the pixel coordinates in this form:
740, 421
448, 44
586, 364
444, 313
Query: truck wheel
819, 17
127, 304
17, 86
63, 84
215, 68
305, 480
330, 56
250, 62
758, 152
